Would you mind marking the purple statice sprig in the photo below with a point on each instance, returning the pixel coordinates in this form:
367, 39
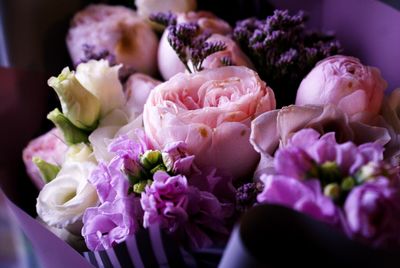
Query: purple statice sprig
283, 51
188, 41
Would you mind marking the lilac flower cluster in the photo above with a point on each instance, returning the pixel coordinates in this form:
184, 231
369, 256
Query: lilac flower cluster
188, 41
345, 185
142, 186
283, 51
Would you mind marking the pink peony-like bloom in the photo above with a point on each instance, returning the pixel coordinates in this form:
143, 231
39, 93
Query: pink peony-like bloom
115, 33
137, 88
211, 112
50, 147
168, 62
373, 213
345, 82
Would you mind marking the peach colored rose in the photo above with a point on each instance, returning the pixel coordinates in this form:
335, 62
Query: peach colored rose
50, 147
345, 82
168, 62
211, 112
116, 33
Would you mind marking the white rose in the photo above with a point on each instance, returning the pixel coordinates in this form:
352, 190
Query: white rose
103, 82
147, 7
62, 202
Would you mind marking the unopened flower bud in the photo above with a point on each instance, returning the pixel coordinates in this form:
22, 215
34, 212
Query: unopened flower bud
140, 186
330, 172
80, 106
150, 159
348, 183
332, 190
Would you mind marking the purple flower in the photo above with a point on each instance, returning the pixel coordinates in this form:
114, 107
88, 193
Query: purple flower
177, 158
373, 213
196, 217
165, 201
110, 183
111, 223
303, 196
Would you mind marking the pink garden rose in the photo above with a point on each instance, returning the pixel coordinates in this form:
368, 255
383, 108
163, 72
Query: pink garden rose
115, 33
211, 112
50, 147
345, 82
168, 62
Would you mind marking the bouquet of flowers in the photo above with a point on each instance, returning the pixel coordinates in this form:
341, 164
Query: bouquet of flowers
176, 121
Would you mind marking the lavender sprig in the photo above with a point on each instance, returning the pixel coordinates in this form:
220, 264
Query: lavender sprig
188, 41
283, 51
163, 18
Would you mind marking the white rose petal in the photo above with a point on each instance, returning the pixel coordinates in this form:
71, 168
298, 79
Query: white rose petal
103, 82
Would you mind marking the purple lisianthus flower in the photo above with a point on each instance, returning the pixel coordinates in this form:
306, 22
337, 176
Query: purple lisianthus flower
110, 223
303, 196
373, 213
196, 217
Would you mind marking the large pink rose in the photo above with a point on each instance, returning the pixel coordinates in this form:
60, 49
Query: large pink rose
168, 62
211, 111
345, 82
49, 147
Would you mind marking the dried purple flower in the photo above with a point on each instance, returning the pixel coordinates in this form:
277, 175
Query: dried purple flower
163, 18
283, 51
246, 195
189, 43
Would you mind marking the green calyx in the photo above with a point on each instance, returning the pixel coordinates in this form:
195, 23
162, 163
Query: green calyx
72, 134
47, 170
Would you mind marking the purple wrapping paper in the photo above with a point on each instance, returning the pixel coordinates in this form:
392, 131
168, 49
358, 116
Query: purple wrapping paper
368, 29
49, 249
